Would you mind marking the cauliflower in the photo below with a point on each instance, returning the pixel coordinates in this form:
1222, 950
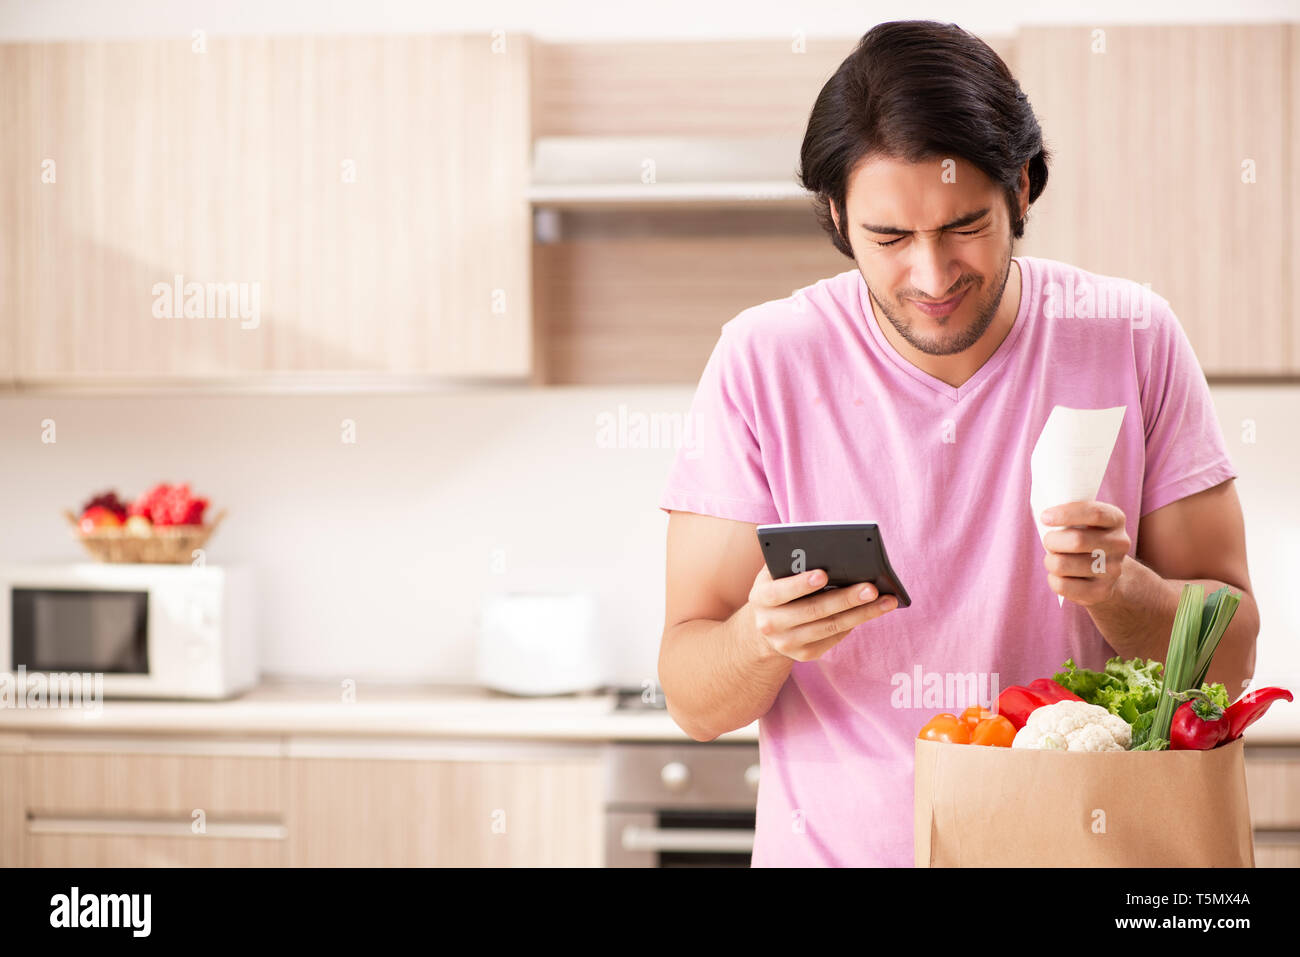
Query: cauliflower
1074, 726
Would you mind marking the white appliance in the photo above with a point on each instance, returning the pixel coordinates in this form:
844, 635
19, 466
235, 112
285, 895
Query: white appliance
150, 631
539, 643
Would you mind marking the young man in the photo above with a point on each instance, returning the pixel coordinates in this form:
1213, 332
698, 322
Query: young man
910, 391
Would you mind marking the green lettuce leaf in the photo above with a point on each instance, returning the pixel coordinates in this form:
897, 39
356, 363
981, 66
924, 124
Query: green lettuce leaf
1218, 694
1125, 688
1142, 729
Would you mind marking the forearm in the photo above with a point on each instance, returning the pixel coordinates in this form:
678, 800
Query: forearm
1139, 616
718, 676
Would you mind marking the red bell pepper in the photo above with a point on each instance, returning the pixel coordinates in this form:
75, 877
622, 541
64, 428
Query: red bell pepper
1250, 707
1198, 725
1052, 692
1016, 703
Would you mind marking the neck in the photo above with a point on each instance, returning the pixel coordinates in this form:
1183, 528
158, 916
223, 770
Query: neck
957, 369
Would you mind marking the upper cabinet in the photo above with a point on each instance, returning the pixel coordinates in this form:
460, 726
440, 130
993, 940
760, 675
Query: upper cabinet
1173, 166
341, 208
273, 206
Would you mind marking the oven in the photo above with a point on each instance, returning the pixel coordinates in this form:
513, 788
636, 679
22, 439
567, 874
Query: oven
680, 805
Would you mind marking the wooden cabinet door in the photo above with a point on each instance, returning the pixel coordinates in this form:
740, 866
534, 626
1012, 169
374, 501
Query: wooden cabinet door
400, 232
1273, 783
1156, 132
91, 801
130, 164
13, 812
476, 804
265, 205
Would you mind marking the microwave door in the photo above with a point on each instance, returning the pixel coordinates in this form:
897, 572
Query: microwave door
80, 630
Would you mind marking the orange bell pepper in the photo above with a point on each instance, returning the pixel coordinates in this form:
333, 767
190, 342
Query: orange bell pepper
996, 731
946, 727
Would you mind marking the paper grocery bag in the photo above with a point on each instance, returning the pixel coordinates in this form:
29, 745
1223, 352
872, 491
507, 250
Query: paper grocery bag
979, 806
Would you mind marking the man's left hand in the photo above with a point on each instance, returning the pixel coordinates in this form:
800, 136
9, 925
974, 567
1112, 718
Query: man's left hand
1084, 561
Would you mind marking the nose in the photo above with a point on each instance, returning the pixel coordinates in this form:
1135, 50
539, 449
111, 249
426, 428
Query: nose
933, 272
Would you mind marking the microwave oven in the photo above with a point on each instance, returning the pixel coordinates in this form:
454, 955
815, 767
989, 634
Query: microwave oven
150, 631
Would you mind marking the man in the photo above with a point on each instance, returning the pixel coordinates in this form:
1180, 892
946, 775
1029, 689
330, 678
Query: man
910, 391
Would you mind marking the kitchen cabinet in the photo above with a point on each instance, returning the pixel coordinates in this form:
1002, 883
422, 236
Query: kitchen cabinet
1171, 167
1273, 782
12, 805
436, 805
635, 290
199, 801
127, 801
1166, 171
326, 206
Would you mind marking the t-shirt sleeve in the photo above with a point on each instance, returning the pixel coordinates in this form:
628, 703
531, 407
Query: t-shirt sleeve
1185, 449
719, 470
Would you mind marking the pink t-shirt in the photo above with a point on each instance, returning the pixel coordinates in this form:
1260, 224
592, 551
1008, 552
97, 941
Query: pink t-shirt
805, 413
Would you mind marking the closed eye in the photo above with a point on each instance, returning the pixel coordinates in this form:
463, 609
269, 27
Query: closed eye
971, 232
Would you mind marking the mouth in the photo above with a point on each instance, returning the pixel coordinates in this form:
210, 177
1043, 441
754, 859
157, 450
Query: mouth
937, 310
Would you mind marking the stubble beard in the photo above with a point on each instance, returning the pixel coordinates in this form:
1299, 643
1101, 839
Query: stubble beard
959, 340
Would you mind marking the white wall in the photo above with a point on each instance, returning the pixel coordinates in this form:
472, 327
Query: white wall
372, 558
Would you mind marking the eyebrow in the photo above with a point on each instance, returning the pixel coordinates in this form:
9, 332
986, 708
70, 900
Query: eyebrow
959, 221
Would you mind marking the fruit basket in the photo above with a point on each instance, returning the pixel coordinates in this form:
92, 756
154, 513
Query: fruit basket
162, 544
163, 526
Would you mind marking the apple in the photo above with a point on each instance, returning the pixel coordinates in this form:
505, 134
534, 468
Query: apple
97, 517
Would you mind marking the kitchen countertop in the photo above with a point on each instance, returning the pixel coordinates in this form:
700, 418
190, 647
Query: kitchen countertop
278, 706
306, 707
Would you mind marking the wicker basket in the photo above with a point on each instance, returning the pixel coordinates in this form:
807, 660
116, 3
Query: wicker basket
165, 544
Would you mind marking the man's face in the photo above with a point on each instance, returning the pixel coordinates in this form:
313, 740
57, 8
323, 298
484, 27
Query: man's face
938, 249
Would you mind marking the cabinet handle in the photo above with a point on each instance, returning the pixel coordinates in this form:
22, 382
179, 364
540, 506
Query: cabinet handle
686, 839
155, 827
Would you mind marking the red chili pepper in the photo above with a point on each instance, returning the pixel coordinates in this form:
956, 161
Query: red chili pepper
1016, 703
1051, 691
1198, 725
1250, 707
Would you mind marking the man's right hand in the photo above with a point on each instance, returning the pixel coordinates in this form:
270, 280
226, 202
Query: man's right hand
792, 621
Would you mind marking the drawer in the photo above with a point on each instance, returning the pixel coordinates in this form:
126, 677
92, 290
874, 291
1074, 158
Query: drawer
1273, 783
170, 778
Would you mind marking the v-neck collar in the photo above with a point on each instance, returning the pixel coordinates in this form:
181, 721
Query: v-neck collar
991, 364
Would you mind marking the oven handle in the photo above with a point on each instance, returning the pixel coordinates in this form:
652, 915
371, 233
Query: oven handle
697, 840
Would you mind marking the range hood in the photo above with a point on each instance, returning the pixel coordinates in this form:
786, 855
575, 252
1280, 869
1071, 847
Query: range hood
586, 171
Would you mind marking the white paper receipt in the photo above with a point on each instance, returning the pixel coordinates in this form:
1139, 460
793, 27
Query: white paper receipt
1070, 458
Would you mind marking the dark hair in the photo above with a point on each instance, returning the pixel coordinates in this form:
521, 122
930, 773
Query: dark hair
914, 90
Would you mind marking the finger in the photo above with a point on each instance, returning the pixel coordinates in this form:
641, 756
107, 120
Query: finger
1073, 540
1069, 566
822, 605
1090, 513
780, 591
835, 626
1079, 590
